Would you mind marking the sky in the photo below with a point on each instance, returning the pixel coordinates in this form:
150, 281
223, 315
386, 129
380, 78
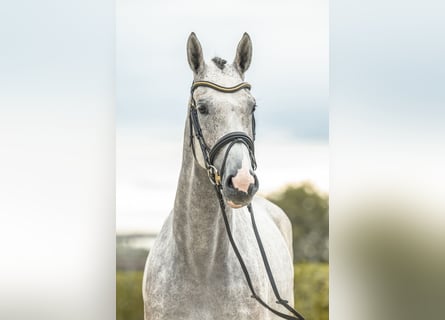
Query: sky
289, 75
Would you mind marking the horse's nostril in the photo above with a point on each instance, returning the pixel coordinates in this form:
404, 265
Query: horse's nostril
230, 182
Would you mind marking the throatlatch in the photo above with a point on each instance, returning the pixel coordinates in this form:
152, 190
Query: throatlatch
209, 155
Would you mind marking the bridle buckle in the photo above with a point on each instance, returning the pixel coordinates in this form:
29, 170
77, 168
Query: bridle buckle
214, 176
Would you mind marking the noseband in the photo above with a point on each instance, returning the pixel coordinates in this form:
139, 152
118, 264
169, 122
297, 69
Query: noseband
209, 155
230, 139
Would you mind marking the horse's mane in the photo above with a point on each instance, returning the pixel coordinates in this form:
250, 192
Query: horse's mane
220, 63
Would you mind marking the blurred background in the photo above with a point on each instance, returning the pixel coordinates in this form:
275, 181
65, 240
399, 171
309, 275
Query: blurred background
57, 137
289, 77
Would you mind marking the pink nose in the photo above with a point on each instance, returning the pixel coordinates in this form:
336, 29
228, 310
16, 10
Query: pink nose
243, 179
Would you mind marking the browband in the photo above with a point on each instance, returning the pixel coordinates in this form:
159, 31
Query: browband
242, 85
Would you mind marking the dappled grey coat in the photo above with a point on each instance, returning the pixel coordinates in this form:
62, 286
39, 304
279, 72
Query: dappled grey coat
192, 271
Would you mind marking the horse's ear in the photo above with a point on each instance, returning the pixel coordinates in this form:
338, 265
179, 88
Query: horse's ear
194, 54
243, 54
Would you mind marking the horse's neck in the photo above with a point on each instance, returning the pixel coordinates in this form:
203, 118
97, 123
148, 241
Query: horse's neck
198, 225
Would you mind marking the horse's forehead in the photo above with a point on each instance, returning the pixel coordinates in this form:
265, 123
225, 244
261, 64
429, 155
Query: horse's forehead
227, 76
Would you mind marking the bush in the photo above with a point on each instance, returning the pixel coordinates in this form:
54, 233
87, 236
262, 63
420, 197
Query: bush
311, 290
308, 210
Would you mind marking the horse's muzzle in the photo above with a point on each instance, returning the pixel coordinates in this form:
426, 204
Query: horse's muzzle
239, 189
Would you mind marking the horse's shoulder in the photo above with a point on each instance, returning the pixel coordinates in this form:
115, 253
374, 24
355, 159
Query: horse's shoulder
275, 212
278, 216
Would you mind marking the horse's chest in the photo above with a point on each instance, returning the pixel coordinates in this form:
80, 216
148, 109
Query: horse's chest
216, 288
217, 297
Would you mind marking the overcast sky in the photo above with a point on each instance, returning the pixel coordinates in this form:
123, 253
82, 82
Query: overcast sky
289, 77
289, 71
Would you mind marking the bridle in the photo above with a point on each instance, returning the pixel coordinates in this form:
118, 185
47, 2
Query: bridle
209, 155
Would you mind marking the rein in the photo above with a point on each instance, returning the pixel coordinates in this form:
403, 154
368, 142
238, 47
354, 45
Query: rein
209, 155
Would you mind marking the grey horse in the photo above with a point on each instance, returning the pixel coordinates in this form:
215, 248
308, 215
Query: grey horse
192, 271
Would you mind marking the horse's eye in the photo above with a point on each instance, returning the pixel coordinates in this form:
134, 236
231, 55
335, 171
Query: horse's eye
203, 109
254, 108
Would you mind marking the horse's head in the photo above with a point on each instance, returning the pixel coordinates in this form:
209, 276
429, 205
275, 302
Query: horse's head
224, 114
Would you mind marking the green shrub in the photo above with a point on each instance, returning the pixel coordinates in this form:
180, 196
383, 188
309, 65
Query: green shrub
308, 210
311, 290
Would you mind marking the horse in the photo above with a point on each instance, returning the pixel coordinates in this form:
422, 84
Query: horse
192, 271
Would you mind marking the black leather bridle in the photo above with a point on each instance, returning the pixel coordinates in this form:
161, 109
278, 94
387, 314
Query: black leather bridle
209, 155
